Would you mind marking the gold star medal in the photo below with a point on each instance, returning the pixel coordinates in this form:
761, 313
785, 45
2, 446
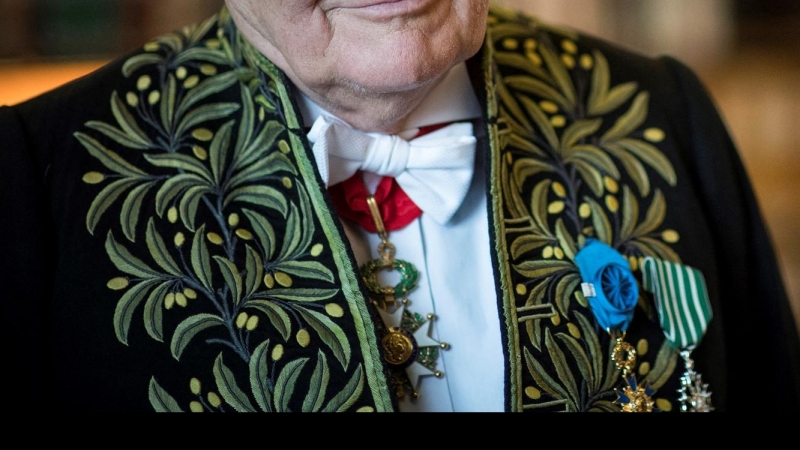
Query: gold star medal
409, 350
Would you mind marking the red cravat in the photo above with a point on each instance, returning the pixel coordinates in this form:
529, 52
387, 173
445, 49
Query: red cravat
397, 209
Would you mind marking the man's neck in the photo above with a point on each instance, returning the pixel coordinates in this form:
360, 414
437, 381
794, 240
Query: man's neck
450, 100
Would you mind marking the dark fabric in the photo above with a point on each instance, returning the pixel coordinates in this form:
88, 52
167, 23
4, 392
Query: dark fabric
62, 350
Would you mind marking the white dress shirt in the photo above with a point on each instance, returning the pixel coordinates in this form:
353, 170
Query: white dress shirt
456, 280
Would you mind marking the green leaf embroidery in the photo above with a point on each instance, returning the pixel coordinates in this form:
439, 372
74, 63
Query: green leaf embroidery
126, 262
259, 377
123, 314
318, 385
233, 279
189, 329
347, 397
228, 389
160, 400
285, 385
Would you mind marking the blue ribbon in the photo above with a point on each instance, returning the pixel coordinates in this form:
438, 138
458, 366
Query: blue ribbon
616, 291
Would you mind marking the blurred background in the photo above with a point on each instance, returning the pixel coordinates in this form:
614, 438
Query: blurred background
746, 51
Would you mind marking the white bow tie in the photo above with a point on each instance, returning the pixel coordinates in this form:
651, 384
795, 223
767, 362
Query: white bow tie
434, 170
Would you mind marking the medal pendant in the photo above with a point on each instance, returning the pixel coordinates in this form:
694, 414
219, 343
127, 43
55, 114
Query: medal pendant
408, 348
694, 394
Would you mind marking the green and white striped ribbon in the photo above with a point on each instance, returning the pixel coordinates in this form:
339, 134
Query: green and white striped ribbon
681, 299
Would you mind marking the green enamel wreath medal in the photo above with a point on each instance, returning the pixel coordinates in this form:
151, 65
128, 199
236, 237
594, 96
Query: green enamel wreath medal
407, 346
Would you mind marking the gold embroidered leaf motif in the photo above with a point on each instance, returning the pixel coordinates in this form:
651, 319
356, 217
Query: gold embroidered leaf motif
189, 329
543, 268
511, 108
565, 376
305, 269
508, 27
654, 217
209, 86
126, 306
602, 100
126, 262
131, 207
566, 285
263, 231
258, 195
542, 122
260, 380
173, 187
591, 159
518, 142
233, 279
167, 104
666, 362
561, 76
105, 199
218, 152
632, 166
538, 206
630, 121
201, 54
576, 132
196, 32
630, 213
109, 158
154, 311
159, 250
278, 318
172, 41
229, 389
331, 334
118, 135
205, 113
348, 396
514, 202
651, 156
528, 167
182, 162
189, 204
246, 121
602, 381
293, 236
286, 382
160, 400
582, 360
317, 385
254, 271
565, 240
527, 243
303, 295
201, 259
126, 121
545, 382
253, 152
515, 60
653, 247
261, 169
600, 222
590, 175
139, 61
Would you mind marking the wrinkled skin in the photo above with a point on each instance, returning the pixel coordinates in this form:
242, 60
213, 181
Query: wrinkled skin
370, 62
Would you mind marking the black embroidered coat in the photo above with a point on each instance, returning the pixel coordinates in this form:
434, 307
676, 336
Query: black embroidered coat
169, 246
